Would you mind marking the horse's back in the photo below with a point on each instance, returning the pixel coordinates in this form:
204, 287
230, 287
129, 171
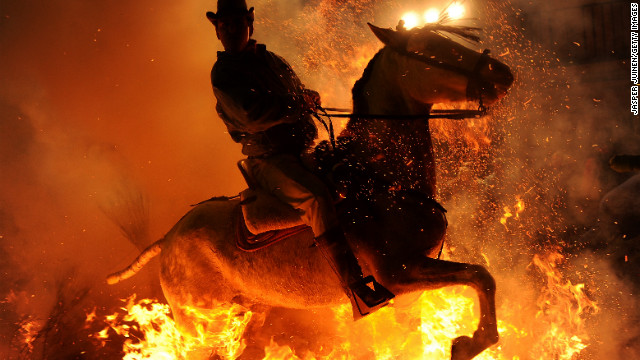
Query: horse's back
201, 265
189, 267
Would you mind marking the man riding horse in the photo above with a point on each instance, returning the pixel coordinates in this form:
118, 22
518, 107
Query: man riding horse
202, 259
268, 110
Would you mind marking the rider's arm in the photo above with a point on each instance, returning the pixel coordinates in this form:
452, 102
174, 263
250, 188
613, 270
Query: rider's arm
250, 106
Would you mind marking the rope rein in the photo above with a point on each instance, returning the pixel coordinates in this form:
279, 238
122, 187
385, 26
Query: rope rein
433, 114
475, 84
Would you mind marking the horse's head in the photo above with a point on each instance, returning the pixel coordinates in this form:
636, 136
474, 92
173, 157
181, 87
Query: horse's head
431, 68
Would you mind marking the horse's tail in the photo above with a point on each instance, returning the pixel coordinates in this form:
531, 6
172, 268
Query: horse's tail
149, 253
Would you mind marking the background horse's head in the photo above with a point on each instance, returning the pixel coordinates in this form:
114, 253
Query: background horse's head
422, 66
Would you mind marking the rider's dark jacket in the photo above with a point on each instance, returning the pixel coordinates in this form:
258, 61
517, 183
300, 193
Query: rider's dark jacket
260, 99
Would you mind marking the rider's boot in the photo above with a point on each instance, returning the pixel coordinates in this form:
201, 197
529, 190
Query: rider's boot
365, 293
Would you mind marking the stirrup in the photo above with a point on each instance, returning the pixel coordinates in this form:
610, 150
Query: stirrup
365, 299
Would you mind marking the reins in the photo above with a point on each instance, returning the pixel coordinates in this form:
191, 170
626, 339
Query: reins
475, 86
433, 114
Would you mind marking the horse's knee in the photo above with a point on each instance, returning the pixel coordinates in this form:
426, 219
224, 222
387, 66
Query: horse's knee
483, 278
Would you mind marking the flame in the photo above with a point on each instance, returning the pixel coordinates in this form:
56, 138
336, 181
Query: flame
422, 330
562, 305
518, 208
474, 133
507, 214
151, 333
277, 352
28, 334
91, 317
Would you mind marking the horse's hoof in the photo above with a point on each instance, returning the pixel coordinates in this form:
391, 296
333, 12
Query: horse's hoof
465, 348
462, 348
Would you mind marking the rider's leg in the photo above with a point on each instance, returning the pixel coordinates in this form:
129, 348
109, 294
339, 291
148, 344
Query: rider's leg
285, 177
336, 250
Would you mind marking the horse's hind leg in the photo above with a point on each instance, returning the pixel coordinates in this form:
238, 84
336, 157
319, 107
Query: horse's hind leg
429, 274
253, 335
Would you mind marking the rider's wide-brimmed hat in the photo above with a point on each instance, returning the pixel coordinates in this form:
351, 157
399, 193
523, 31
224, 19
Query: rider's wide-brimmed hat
230, 7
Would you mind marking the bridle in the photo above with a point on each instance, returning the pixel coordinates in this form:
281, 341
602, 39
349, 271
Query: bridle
476, 86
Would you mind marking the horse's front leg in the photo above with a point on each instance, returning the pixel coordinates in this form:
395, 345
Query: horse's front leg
429, 274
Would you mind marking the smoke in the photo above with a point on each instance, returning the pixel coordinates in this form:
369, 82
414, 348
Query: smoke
545, 148
105, 102
98, 101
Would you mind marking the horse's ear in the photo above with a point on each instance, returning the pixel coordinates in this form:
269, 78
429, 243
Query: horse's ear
387, 36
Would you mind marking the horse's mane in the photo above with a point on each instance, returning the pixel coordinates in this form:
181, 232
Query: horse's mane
357, 92
465, 32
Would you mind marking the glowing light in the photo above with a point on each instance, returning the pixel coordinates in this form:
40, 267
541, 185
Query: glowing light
29, 332
562, 307
519, 208
507, 214
410, 19
431, 15
455, 11
420, 330
151, 333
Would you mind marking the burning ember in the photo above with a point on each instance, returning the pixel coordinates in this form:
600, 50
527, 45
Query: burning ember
422, 330
150, 332
29, 333
518, 208
537, 138
562, 305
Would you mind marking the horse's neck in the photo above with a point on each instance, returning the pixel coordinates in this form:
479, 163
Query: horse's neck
402, 149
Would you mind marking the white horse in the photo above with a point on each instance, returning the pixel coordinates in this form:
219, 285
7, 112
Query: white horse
400, 238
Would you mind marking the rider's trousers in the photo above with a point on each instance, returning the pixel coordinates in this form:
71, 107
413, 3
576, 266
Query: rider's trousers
285, 177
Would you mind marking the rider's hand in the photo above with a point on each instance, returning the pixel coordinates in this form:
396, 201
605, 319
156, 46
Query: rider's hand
311, 99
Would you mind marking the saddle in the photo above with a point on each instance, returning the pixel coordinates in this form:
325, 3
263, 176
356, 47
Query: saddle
264, 212
248, 241
264, 219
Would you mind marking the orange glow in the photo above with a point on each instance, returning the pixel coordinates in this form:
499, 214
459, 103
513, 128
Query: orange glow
151, 333
518, 208
411, 20
423, 329
431, 15
562, 306
28, 333
121, 116
455, 11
